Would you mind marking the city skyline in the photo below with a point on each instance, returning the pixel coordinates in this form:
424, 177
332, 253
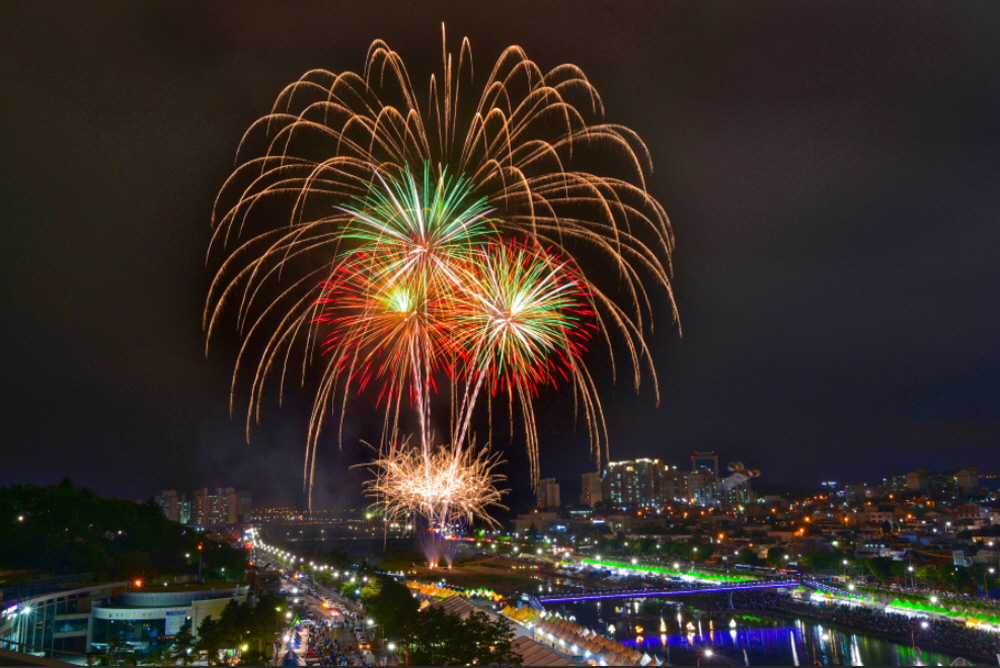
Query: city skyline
829, 171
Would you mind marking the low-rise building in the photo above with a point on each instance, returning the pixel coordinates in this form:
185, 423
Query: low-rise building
84, 619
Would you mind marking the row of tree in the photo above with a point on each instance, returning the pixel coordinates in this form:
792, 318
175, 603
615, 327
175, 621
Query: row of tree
63, 530
433, 637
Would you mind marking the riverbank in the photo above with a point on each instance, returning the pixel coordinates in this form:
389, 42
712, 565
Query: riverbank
789, 613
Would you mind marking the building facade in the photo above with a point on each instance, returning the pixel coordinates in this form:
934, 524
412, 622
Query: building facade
591, 489
226, 506
147, 620
547, 493
638, 483
54, 622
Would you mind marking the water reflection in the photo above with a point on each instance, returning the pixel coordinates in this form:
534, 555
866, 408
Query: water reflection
687, 636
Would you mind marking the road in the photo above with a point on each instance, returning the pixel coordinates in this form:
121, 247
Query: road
343, 615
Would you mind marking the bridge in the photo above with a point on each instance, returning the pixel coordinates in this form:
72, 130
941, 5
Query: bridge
657, 592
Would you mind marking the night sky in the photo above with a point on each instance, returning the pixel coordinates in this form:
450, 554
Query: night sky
831, 170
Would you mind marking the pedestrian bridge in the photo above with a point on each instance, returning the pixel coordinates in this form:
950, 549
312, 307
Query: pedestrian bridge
660, 592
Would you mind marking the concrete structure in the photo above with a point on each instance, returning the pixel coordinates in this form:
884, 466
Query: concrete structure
146, 620
637, 483
226, 506
540, 522
176, 507
55, 621
83, 619
547, 493
916, 481
591, 492
702, 487
705, 460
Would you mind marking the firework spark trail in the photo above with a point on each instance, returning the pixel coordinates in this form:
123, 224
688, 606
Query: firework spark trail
519, 317
438, 485
363, 172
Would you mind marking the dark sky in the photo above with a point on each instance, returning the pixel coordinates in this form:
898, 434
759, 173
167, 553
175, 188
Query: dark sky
831, 170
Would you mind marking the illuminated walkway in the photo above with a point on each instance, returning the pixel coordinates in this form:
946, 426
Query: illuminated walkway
649, 592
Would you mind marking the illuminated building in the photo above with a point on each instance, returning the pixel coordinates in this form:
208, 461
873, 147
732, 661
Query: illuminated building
176, 508
705, 460
85, 619
638, 483
226, 506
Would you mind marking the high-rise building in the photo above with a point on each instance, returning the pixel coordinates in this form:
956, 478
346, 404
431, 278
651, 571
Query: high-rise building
740, 495
226, 506
548, 493
591, 492
184, 509
916, 481
243, 506
169, 503
637, 483
967, 481
702, 486
705, 460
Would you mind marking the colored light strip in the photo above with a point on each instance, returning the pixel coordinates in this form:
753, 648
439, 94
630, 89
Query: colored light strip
650, 593
646, 568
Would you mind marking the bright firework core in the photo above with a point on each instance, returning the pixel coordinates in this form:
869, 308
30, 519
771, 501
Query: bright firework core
444, 489
441, 486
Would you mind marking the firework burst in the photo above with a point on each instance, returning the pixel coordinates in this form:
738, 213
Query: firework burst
520, 318
374, 231
444, 487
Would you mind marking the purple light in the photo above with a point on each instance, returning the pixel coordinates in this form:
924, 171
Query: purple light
649, 593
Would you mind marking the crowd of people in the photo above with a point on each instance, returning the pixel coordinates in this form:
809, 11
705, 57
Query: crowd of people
941, 633
322, 647
949, 595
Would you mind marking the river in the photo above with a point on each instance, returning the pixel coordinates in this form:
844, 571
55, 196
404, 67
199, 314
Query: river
687, 637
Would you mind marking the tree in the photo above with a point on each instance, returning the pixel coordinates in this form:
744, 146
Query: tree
183, 647
255, 657
879, 567
393, 606
777, 557
161, 656
443, 639
210, 640
120, 652
701, 551
487, 641
747, 556
823, 561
